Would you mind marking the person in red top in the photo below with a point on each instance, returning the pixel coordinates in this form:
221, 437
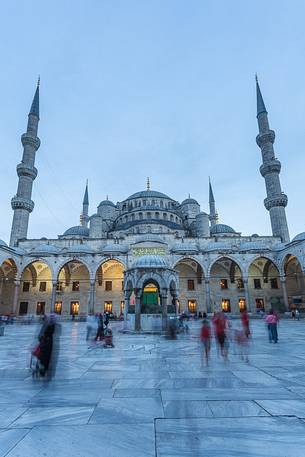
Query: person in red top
205, 339
220, 322
244, 316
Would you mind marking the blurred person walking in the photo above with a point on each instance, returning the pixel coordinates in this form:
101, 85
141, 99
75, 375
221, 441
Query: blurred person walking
220, 322
244, 317
205, 339
100, 328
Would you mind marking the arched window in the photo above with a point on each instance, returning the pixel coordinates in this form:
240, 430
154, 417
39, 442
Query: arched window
140, 216
171, 217
161, 203
157, 215
165, 216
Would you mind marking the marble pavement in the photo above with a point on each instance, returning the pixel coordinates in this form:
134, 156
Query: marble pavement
149, 396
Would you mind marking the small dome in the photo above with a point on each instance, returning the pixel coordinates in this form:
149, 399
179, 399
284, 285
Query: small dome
3, 243
114, 248
46, 249
184, 247
150, 261
78, 230
299, 237
81, 248
106, 203
218, 246
189, 201
148, 194
221, 228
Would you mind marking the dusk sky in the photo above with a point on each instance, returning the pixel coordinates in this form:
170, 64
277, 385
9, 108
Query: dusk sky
164, 89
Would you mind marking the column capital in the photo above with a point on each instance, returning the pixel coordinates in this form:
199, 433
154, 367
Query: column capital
207, 279
17, 282
283, 278
54, 282
92, 282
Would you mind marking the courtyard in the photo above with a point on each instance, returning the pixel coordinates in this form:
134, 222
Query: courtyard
149, 396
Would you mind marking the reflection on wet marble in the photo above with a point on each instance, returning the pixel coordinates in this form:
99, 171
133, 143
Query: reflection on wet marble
9, 438
88, 441
233, 408
137, 393
127, 410
118, 401
54, 415
184, 409
242, 437
284, 407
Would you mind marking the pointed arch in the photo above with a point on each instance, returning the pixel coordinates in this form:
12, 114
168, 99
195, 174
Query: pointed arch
72, 260
226, 257
39, 260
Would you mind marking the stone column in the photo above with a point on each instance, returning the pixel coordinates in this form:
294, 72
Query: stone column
126, 305
1, 286
16, 295
284, 289
53, 296
207, 294
91, 296
164, 311
137, 319
247, 295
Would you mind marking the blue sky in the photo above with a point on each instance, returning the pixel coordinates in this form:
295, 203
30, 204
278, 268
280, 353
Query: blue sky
165, 89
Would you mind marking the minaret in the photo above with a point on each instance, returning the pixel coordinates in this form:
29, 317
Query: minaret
213, 213
84, 217
270, 170
22, 203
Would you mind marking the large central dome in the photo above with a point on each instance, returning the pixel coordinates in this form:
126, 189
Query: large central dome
148, 194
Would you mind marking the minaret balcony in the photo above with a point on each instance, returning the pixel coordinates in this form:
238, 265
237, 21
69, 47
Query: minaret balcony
25, 170
264, 138
272, 166
278, 200
22, 203
29, 140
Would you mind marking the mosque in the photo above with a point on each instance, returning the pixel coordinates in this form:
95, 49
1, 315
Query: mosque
150, 254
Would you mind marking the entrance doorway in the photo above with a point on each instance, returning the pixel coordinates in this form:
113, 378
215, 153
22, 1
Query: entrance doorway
74, 308
150, 303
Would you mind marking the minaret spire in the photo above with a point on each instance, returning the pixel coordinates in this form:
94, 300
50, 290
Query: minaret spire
84, 217
213, 212
26, 171
276, 200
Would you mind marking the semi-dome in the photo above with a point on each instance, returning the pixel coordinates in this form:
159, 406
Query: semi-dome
3, 243
147, 194
299, 237
78, 230
189, 201
221, 228
106, 203
150, 261
46, 249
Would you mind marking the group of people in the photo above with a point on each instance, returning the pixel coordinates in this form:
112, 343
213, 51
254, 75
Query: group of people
224, 335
